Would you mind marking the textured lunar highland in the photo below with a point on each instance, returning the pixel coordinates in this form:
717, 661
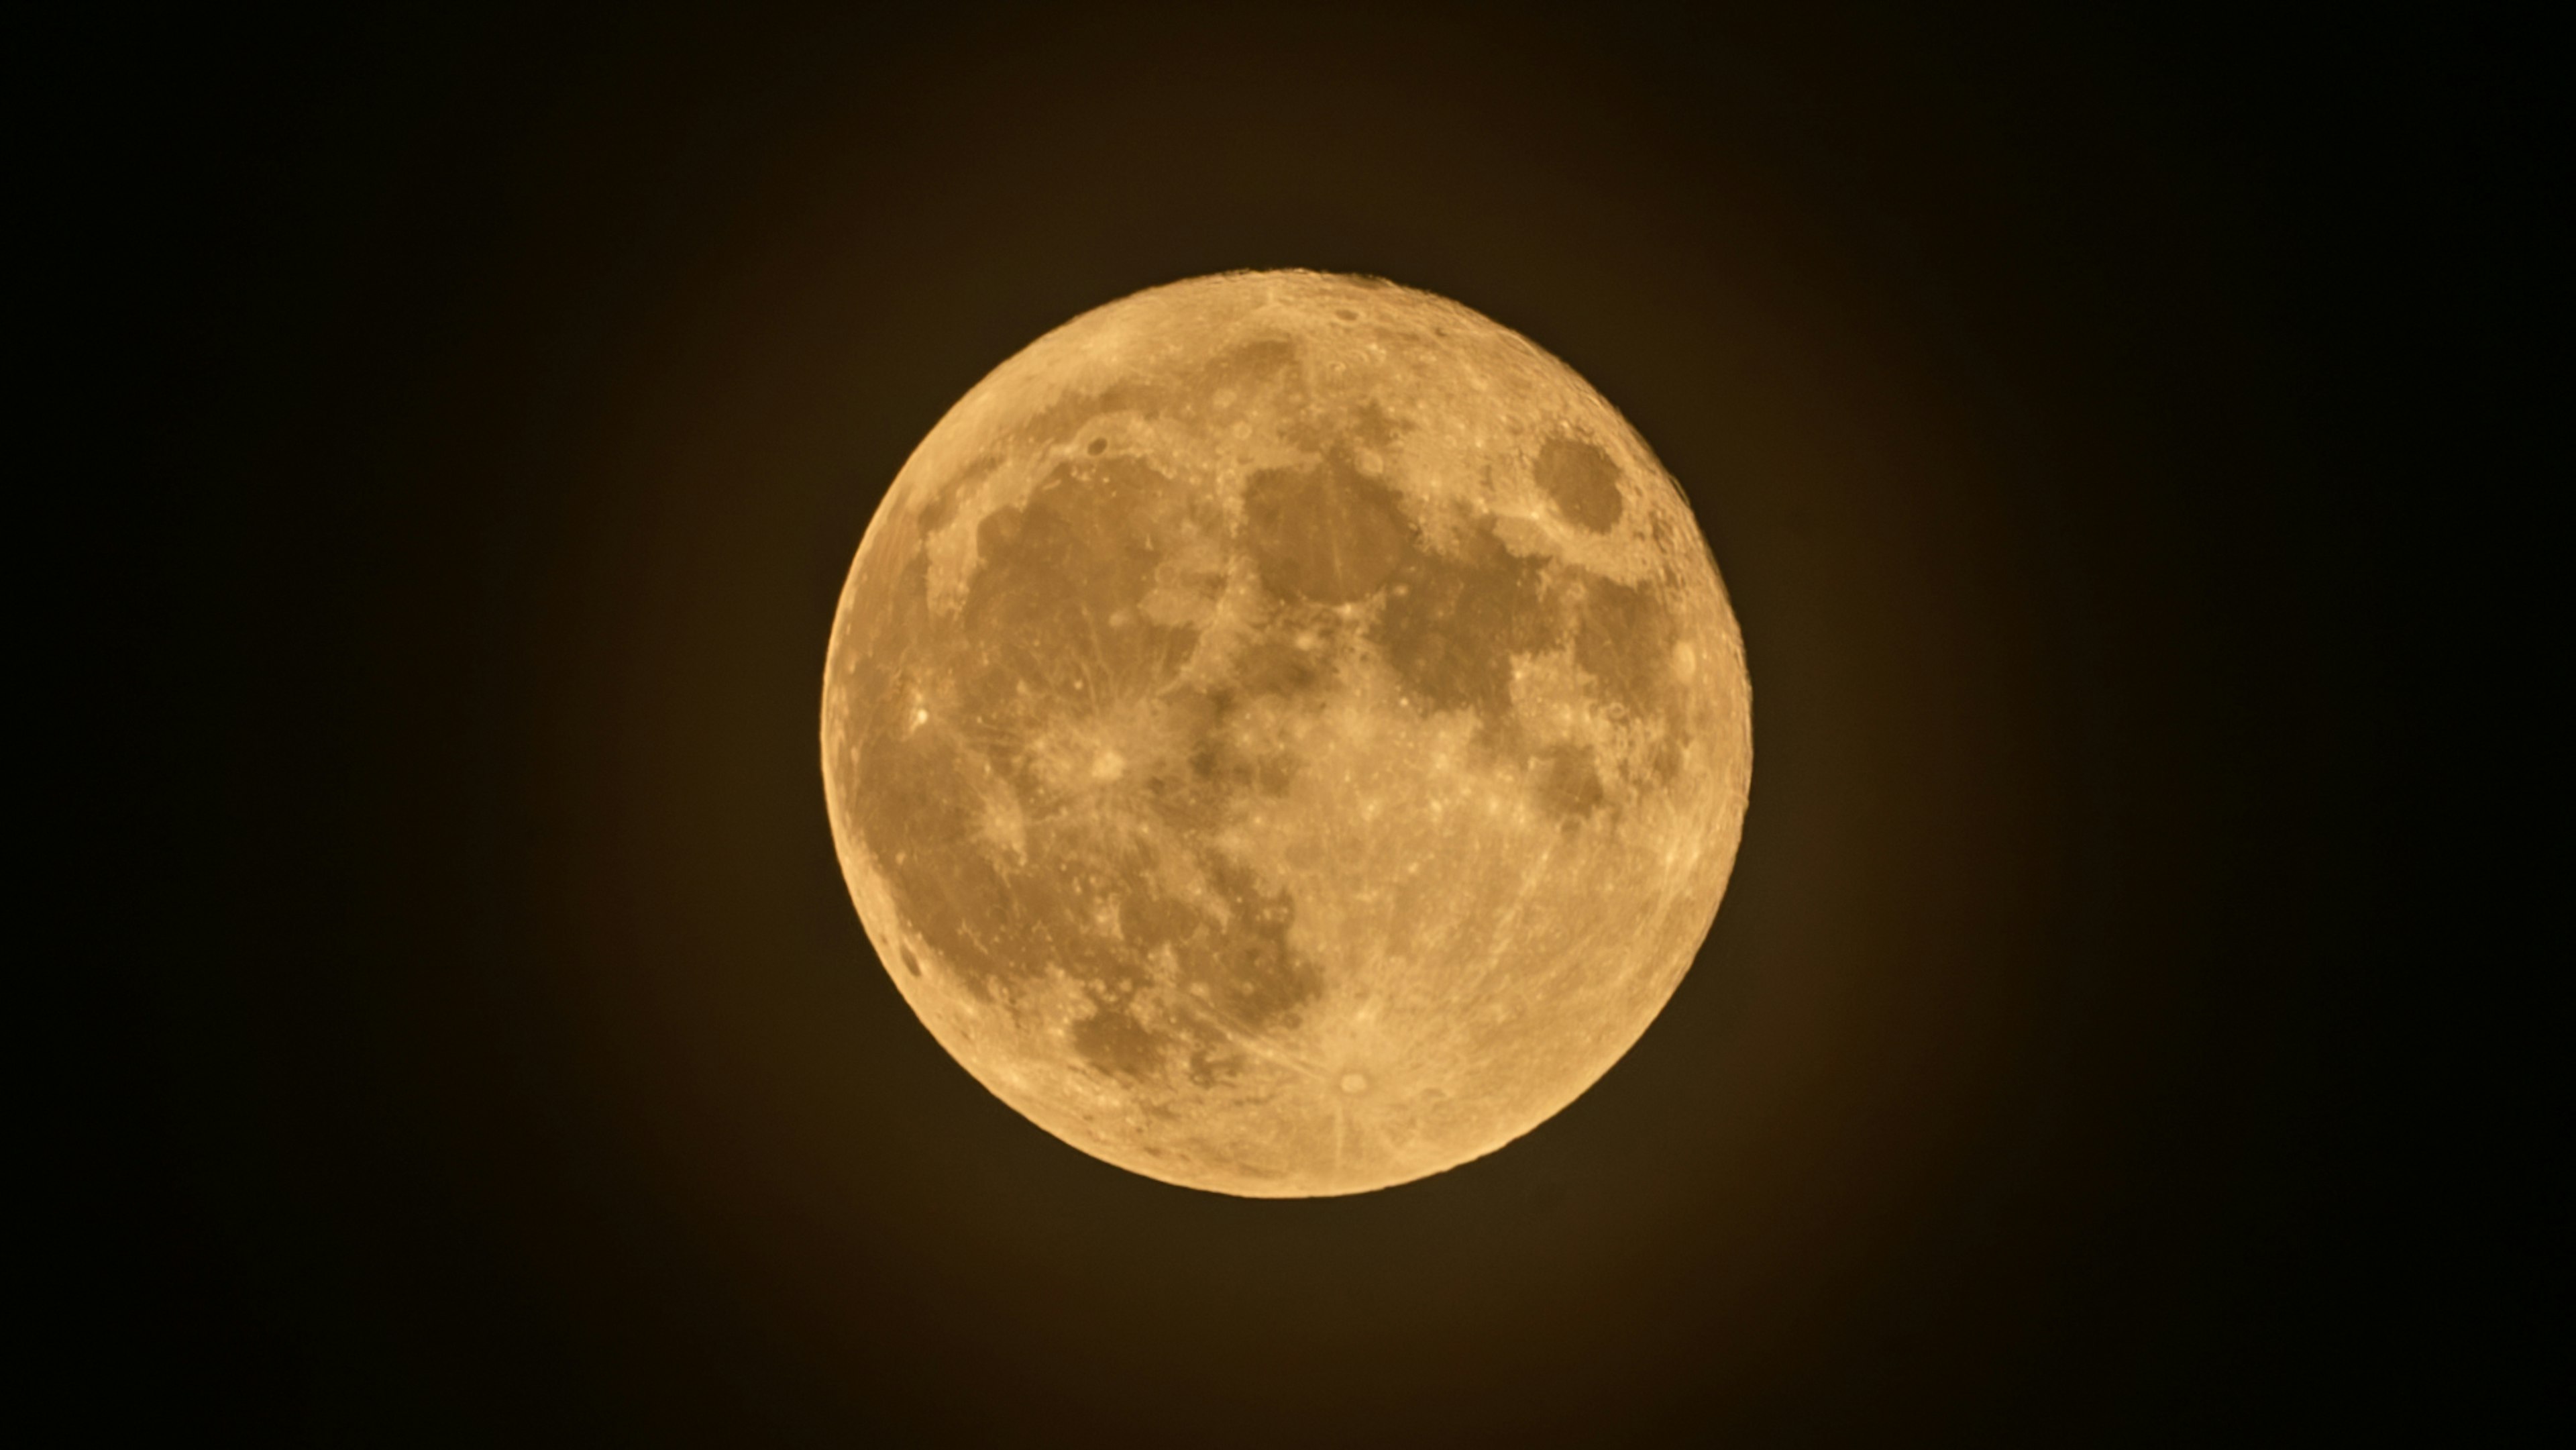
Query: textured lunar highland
1284, 734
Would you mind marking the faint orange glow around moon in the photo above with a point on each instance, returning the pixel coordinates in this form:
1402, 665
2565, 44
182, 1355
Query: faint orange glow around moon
1284, 734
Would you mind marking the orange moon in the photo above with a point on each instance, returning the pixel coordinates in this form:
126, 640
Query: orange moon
1284, 734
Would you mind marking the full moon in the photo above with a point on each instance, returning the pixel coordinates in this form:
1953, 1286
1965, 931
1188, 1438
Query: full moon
1284, 734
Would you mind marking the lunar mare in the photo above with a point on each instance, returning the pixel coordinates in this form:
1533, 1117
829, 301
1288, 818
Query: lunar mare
1284, 734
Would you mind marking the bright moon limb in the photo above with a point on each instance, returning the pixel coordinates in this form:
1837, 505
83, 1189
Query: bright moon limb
1284, 734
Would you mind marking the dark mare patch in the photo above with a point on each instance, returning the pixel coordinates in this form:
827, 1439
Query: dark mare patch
1263, 363
949, 713
1623, 639
1567, 782
1452, 623
1324, 535
1582, 482
1112, 1040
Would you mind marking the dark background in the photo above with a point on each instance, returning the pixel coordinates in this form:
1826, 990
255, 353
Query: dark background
513, 1068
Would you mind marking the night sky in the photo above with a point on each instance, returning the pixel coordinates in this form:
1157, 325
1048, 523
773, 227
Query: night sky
516, 1070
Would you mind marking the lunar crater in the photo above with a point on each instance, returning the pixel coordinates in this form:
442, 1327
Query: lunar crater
1306, 754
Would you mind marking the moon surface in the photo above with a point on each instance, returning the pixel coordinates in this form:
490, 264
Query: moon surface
1284, 734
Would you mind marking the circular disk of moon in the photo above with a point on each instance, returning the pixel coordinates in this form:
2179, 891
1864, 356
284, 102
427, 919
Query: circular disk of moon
1284, 734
